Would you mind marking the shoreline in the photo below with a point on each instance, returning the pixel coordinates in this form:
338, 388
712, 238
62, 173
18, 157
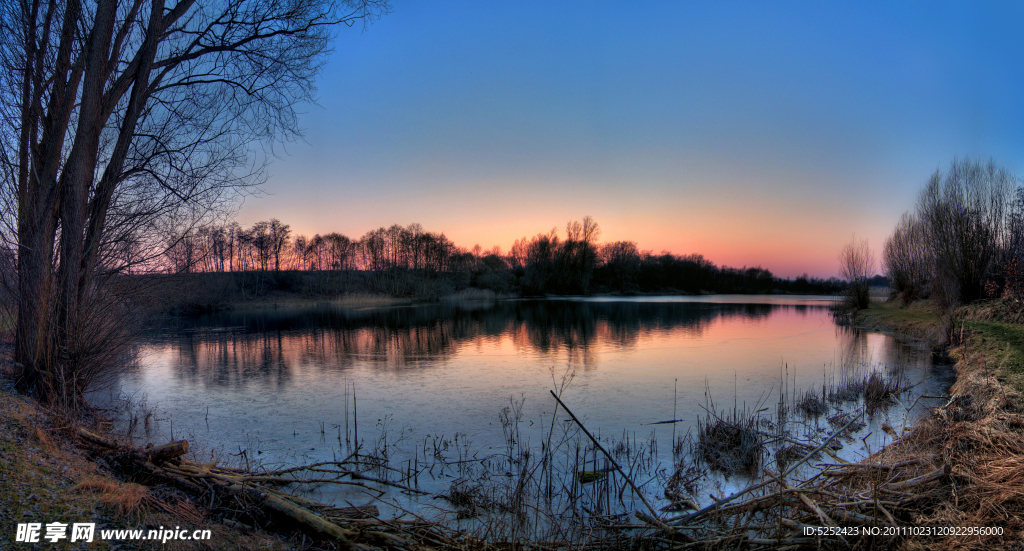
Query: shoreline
977, 437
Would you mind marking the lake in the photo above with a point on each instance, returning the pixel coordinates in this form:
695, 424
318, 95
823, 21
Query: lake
291, 384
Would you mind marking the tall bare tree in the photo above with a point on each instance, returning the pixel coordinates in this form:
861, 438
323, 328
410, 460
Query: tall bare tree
856, 265
279, 235
965, 213
126, 119
907, 258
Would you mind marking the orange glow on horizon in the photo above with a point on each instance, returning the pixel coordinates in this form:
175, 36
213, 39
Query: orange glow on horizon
736, 234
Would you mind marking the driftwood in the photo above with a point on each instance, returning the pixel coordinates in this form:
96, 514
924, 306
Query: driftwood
166, 462
920, 480
151, 454
354, 527
352, 513
167, 451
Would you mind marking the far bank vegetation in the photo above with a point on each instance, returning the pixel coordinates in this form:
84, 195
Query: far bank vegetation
226, 262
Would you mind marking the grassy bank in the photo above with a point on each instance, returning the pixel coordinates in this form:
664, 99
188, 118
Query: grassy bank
996, 332
977, 438
920, 320
208, 292
363, 300
991, 332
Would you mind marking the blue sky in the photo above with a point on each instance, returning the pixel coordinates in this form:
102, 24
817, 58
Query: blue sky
753, 133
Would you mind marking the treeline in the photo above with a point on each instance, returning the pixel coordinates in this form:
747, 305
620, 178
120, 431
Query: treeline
965, 239
409, 261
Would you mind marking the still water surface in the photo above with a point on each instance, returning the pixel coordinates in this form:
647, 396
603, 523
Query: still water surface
277, 381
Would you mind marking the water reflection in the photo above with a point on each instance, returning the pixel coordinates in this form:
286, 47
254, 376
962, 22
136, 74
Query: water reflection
272, 379
862, 350
242, 347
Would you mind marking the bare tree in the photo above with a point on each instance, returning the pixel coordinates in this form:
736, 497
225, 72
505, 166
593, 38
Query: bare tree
578, 256
907, 258
1015, 229
622, 261
339, 250
965, 214
122, 119
856, 264
279, 235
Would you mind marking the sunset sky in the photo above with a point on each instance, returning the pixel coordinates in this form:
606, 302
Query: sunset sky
753, 133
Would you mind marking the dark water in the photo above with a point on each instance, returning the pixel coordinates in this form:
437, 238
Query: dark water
278, 382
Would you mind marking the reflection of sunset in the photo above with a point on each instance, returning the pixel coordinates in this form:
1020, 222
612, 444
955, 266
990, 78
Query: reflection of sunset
558, 331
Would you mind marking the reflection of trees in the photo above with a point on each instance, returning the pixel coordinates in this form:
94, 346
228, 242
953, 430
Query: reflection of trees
229, 347
230, 357
860, 352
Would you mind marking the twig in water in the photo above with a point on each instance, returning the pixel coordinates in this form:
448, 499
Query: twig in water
654, 514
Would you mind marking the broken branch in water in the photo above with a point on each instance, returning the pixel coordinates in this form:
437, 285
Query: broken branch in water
653, 519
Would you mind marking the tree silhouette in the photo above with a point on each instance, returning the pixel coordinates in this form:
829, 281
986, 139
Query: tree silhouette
130, 121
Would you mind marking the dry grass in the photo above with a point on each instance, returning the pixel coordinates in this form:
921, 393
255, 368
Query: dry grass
473, 293
730, 444
880, 392
126, 499
977, 441
850, 389
1002, 310
812, 404
45, 478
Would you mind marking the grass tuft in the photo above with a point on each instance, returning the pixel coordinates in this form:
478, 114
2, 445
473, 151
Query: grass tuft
730, 444
811, 404
126, 499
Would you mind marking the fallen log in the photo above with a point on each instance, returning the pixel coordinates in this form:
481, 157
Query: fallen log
167, 451
304, 517
97, 439
152, 454
164, 462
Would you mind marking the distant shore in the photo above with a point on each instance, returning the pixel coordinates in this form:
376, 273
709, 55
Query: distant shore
191, 293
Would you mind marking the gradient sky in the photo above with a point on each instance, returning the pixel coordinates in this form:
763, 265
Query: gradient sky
760, 133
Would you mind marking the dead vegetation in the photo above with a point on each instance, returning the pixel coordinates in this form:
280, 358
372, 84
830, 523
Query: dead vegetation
811, 404
126, 499
730, 443
849, 389
880, 392
47, 478
248, 499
